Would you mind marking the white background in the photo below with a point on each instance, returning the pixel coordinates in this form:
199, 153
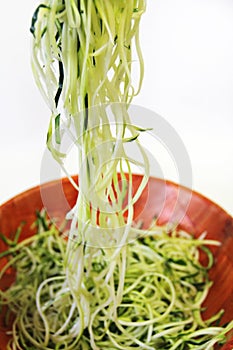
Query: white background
188, 53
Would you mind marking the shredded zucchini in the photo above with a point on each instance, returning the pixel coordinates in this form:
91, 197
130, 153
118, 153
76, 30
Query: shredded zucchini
163, 290
83, 56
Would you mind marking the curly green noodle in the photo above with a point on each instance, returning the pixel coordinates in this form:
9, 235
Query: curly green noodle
164, 287
82, 61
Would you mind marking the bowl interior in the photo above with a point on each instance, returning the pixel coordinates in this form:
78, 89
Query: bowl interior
161, 199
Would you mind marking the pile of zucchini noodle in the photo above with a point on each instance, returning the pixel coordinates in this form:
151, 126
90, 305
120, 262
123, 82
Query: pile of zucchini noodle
102, 288
164, 287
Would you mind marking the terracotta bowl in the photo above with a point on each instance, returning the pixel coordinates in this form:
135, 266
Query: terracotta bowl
164, 200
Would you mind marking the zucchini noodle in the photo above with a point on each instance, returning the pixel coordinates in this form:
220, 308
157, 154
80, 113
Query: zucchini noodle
82, 62
160, 308
102, 288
